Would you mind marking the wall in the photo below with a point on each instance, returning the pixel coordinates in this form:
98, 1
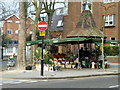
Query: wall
113, 59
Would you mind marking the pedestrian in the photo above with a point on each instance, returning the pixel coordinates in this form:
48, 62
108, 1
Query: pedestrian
76, 63
100, 60
86, 61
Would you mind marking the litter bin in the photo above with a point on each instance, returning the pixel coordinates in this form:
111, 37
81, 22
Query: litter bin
29, 68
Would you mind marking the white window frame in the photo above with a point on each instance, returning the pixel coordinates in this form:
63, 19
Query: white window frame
17, 21
112, 43
30, 32
60, 23
9, 30
9, 21
16, 32
108, 1
108, 21
10, 50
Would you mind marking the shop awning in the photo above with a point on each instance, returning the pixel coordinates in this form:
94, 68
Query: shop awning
75, 40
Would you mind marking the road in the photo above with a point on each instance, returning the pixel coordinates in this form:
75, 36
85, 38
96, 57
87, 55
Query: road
89, 82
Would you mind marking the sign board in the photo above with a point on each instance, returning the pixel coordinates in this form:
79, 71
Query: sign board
42, 25
42, 33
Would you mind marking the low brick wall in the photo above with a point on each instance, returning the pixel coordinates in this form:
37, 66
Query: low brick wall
113, 59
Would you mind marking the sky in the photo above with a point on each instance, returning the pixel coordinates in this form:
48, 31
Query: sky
9, 5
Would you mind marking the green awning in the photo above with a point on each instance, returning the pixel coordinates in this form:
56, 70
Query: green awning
74, 40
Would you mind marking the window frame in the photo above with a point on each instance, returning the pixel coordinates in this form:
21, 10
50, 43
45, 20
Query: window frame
111, 44
17, 32
10, 31
108, 21
17, 21
9, 21
30, 32
10, 50
108, 1
60, 22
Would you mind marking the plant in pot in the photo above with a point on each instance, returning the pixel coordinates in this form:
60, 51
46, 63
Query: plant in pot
73, 64
90, 65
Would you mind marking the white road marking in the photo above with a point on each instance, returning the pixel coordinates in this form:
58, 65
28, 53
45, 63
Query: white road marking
24, 80
116, 86
1, 84
31, 81
45, 80
7, 82
16, 82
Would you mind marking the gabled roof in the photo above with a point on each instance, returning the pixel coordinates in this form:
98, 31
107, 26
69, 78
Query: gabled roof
86, 27
12, 16
17, 17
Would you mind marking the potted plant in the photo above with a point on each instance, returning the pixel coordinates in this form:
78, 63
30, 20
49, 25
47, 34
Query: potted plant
73, 64
90, 65
97, 65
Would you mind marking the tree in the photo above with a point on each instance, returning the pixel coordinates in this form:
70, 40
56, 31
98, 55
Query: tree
37, 17
48, 8
7, 9
21, 57
106, 8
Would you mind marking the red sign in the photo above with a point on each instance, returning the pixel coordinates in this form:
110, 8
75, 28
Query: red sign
42, 25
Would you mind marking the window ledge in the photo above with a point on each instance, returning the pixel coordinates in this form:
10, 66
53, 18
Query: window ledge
109, 26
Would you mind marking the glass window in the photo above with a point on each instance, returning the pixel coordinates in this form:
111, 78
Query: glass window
112, 43
17, 21
10, 50
109, 1
60, 23
30, 32
110, 20
16, 32
9, 31
9, 21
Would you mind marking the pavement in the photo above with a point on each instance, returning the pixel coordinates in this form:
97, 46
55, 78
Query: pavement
64, 74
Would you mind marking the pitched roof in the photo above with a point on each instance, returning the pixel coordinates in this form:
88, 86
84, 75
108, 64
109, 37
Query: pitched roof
86, 27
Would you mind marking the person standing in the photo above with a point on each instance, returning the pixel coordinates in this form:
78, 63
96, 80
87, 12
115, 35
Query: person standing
100, 60
86, 61
76, 63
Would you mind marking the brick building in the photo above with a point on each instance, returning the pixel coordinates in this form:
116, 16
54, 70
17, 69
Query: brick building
10, 28
112, 24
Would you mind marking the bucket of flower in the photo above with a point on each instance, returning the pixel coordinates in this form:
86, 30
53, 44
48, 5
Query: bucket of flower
97, 65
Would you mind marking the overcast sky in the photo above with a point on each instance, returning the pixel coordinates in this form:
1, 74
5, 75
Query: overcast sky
9, 4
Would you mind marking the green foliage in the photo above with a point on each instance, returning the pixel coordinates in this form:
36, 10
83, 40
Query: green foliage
5, 39
111, 50
105, 59
45, 55
115, 50
37, 37
73, 63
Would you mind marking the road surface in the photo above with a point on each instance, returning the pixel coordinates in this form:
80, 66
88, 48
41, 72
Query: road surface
89, 82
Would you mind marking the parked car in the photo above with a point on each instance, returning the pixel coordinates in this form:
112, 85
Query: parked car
11, 63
